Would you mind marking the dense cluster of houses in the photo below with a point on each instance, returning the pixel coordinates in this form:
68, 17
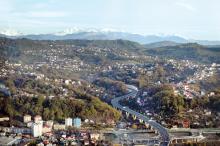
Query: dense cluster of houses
48, 133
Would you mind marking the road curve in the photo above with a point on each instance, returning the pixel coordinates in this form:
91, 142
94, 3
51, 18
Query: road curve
164, 141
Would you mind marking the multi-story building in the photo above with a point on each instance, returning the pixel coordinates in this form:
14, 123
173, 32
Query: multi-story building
77, 122
26, 118
68, 122
59, 127
37, 129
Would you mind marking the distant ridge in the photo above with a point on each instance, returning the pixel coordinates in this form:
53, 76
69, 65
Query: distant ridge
191, 51
108, 34
161, 44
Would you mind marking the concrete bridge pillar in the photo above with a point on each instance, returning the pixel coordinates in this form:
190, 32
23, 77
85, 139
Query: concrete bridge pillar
147, 125
127, 114
140, 120
171, 141
195, 139
134, 117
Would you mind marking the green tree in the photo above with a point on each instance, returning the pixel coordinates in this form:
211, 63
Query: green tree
46, 114
9, 110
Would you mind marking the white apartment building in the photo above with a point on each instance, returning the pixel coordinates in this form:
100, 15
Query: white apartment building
68, 122
26, 118
37, 129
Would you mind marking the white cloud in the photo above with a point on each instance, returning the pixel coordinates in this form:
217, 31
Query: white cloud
186, 5
47, 14
40, 14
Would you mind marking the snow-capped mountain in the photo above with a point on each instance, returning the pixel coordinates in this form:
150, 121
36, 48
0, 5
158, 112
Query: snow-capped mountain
10, 32
103, 34
68, 31
75, 30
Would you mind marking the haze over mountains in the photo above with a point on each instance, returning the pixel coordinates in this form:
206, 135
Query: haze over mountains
106, 34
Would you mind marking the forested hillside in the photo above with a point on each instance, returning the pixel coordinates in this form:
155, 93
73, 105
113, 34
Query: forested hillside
190, 51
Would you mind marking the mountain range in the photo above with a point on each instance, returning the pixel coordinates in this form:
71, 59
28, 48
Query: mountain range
105, 34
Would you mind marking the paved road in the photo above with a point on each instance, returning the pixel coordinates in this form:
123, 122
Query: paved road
202, 130
161, 130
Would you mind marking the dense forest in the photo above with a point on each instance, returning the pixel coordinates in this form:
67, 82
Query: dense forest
113, 86
190, 51
78, 103
58, 109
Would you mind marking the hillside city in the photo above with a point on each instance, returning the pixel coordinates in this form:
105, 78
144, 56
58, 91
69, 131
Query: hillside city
109, 73
64, 92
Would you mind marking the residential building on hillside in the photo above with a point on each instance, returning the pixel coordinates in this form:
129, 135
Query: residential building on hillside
68, 122
77, 122
26, 118
37, 129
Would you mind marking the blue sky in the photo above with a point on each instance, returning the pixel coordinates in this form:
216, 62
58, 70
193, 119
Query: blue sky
197, 19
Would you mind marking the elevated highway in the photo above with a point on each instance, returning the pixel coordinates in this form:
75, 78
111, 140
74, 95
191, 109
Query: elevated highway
164, 135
